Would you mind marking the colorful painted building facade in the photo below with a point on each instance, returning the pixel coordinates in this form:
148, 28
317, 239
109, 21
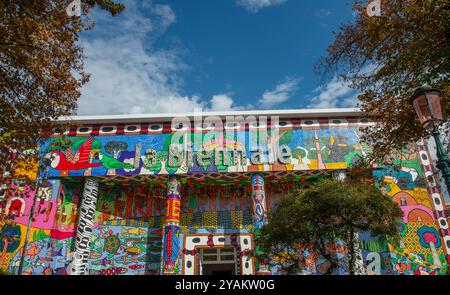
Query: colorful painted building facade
153, 194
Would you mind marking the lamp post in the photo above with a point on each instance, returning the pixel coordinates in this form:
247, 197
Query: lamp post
427, 104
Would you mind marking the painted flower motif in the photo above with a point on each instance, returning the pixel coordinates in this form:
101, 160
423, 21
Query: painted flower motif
429, 238
429, 235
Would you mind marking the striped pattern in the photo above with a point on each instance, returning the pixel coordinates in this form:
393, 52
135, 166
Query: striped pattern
168, 127
436, 196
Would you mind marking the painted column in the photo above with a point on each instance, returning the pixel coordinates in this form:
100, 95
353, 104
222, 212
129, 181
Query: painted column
171, 242
436, 197
358, 266
259, 201
79, 264
259, 216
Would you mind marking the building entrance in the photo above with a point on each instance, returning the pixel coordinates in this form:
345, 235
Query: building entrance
219, 261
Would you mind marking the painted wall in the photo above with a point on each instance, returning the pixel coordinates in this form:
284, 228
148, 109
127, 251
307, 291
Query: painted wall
127, 235
130, 154
51, 232
128, 220
421, 249
422, 246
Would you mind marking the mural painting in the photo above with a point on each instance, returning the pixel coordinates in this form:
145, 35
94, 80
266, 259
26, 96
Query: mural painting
219, 152
158, 225
421, 250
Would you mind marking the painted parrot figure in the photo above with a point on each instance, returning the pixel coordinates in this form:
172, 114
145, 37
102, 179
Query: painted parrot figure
59, 161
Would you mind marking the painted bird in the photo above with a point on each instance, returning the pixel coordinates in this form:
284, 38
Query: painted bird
111, 163
59, 161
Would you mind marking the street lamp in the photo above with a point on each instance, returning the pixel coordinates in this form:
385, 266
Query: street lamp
427, 104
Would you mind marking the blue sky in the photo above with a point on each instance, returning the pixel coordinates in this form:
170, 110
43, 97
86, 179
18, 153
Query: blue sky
166, 56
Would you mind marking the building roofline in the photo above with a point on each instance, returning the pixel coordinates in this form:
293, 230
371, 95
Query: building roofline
291, 113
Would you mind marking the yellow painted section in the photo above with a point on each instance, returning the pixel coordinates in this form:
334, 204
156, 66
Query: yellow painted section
339, 165
313, 164
419, 194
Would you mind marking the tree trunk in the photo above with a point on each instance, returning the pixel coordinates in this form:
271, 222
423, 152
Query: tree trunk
333, 264
351, 260
354, 255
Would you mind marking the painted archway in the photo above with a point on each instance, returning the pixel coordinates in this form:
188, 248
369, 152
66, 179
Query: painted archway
192, 243
15, 206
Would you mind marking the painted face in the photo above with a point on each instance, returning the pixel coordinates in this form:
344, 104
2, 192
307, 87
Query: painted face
258, 196
52, 159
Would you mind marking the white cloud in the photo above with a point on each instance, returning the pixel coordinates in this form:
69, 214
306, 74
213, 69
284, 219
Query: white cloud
165, 13
224, 102
280, 94
130, 76
127, 74
254, 6
335, 94
221, 102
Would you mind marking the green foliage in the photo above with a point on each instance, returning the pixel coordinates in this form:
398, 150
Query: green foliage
40, 235
329, 211
374, 245
385, 58
41, 73
108, 5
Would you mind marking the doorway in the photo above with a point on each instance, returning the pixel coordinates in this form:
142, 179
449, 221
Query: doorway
218, 261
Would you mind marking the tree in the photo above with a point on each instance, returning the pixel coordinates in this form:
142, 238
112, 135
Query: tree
386, 57
115, 148
41, 70
326, 212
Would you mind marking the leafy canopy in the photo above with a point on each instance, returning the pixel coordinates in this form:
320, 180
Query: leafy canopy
328, 211
41, 70
386, 57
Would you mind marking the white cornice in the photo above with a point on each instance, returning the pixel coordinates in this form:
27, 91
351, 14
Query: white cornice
292, 113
